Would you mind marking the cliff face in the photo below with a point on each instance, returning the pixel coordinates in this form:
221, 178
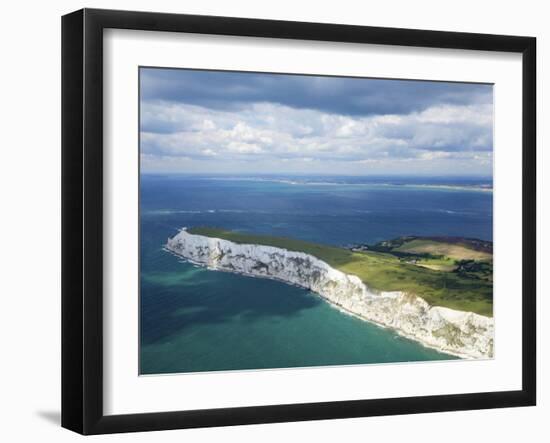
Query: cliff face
464, 334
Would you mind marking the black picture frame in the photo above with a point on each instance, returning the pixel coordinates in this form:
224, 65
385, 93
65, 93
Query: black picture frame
82, 218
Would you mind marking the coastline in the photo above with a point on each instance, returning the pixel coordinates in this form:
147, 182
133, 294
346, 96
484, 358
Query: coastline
338, 307
462, 334
328, 182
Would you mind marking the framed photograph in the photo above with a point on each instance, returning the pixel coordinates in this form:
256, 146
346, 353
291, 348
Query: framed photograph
269, 221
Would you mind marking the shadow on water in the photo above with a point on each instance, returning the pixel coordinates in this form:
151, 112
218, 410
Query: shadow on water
173, 302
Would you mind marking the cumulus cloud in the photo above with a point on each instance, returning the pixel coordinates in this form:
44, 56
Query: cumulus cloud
273, 120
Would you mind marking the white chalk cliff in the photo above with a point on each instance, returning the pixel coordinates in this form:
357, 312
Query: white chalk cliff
463, 334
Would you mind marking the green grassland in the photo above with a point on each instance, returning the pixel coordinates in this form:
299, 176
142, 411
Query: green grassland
419, 266
455, 251
469, 257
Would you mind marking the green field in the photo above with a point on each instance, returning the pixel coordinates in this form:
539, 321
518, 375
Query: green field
461, 280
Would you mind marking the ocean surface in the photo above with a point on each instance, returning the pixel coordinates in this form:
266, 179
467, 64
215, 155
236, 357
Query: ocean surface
193, 319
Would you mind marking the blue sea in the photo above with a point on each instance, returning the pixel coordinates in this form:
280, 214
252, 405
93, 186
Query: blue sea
193, 319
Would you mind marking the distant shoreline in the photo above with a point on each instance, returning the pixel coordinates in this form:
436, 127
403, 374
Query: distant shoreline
321, 181
314, 180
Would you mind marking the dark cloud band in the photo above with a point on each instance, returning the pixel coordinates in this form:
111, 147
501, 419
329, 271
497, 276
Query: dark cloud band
337, 95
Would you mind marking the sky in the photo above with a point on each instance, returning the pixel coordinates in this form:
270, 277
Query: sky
194, 121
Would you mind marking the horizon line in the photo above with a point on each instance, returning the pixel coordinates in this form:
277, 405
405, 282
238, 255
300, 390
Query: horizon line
315, 174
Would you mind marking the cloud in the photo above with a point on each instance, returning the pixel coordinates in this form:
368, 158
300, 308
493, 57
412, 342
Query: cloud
225, 90
269, 122
278, 131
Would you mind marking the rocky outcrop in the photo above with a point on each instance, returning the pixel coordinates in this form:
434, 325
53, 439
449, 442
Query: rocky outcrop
464, 334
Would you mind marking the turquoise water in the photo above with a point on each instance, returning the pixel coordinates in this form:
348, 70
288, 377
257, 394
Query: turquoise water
193, 319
